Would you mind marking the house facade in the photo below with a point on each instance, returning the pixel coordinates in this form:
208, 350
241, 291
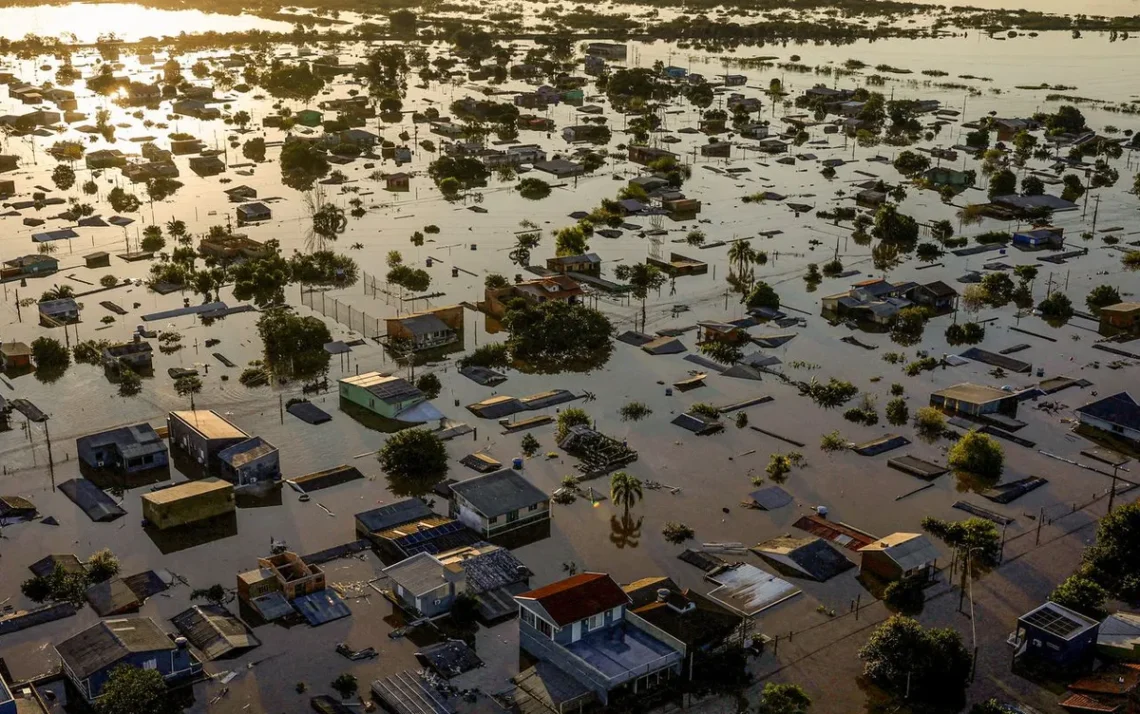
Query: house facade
252, 462
1124, 316
580, 625
975, 400
497, 503
127, 450
202, 435
425, 330
1117, 415
535, 292
384, 395
900, 556
425, 584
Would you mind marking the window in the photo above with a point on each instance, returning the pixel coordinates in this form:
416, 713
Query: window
493, 520
545, 628
527, 616
150, 664
532, 508
512, 516
595, 622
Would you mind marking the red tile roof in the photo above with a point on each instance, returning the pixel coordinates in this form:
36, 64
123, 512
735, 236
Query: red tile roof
1122, 679
1079, 702
578, 597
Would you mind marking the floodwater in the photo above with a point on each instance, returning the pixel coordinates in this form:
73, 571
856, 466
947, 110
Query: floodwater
85, 22
714, 473
1107, 8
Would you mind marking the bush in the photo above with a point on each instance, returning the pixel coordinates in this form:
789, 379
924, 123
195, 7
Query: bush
430, 385
677, 533
978, 454
529, 445
763, 295
905, 596
50, 354
634, 411
705, 410
897, 411
833, 442
489, 356
930, 422
414, 455
1082, 594
1057, 306
102, 565
568, 418
108, 281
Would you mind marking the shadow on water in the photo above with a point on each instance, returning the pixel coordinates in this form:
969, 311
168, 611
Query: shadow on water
625, 532
117, 483
172, 540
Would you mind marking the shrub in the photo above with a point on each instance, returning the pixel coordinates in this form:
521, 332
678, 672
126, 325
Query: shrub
677, 533
929, 422
978, 454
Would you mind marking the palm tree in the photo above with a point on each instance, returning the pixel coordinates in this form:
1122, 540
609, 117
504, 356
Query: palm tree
740, 255
177, 230
625, 490
642, 277
58, 292
329, 221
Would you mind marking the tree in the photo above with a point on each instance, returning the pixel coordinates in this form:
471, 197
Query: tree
1056, 306
1083, 594
762, 295
557, 336
1113, 560
254, 149
429, 384
568, 418
892, 226
152, 241
571, 240
133, 690
1102, 296
345, 685
932, 665
910, 164
102, 565
495, 281
415, 455
123, 202
740, 254
529, 445
188, 386
294, 345
242, 119
215, 594
723, 352
929, 423
534, 189
49, 354
63, 176
1067, 119
942, 230
1002, 183
328, 222
1032, 186
976, 539
897, 411
783, 699
977, 453
905, 595
302, 164
625, 490
642, 277
908, 325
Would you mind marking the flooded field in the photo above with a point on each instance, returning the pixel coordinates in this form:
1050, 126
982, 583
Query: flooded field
712, 474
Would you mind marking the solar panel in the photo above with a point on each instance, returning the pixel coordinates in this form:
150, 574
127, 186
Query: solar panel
1053, 622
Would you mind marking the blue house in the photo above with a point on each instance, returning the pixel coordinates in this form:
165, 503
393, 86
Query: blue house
89, 657
581, 626
1056, 637
128, 449
250, 462
1040, 238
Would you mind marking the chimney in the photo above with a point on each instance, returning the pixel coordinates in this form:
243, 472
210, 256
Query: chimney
137, 338
662, 594
181, 642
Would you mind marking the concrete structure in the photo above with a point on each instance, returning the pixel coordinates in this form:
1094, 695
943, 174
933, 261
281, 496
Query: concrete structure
535, 292
188, 503
431, 328
499, 502
286, 573
424, 584
580, 626
381, 394
1117, 415
229, 247
89, 657
203, 434
1123, 316
976, 400
253, 212
253, 462
1056, 637
900, 556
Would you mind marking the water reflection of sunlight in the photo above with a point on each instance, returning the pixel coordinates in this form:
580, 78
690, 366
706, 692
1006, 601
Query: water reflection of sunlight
128, 22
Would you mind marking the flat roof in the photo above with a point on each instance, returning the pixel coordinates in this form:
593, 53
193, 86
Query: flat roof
187, 490
973, 393
209, 424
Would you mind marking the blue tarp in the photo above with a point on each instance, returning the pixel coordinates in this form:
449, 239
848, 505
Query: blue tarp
309, 412
321, 607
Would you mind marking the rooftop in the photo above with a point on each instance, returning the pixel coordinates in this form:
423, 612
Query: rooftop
209, 424
246, 451
388, 388
1058, 620
214, 630
105, 643
620, 651
1120, 409
422, 573
973, 393
578, 597
907, 550
188, 489
394, 514
1122, 307
499, 493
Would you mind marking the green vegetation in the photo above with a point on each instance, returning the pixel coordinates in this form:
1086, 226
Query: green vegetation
762, 295
429, 384
905, 596
1102, 296
833, 442
897, 412
783, 699
835, 393
50, 355
134, 690
414, 455
571, 417
932, 665
979, 454
929, 423
529, 445
1083, 594
534, 189
1056, 307
625, 490
556, 336
294, 345
1113, 561
677, 533
634, 411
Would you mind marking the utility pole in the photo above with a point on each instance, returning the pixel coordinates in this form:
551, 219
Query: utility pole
1096, 210
51, 461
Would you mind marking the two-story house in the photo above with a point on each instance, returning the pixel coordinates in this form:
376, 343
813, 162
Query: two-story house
581, 626
500, 502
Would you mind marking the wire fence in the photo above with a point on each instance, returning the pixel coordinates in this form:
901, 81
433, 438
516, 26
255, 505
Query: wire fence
353, 318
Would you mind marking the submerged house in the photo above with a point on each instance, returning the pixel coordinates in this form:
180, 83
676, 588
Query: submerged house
499, 502
1117, 415
203, 435
54, 313
387, 396
1047, 237
126, 450
975, 400
554, 287
89, 657
136, 354
581, 626
875, 301
1055, 636
252, 462
426, 585
900, 556
1123, 316
588, 263
431, 328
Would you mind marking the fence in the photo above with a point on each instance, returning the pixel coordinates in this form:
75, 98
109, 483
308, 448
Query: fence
353, 318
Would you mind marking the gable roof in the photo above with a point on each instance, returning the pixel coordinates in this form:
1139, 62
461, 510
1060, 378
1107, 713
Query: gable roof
578, 597
105, 643
394, 514
499, 492
1119, 409
907, 550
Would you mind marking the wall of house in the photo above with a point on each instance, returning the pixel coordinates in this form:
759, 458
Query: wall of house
877, 563
193, 508
1105, 426
266, 468
1055, 650
170, 663
437, 601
